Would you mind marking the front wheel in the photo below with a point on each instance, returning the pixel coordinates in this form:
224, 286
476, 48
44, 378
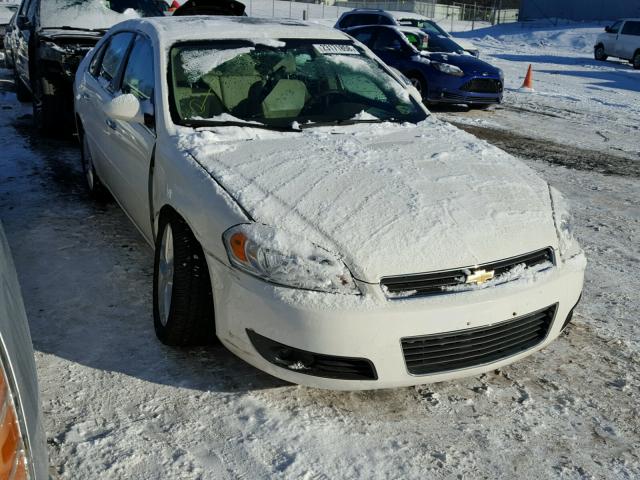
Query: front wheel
599, 53
420, 84
96, 188
182, 298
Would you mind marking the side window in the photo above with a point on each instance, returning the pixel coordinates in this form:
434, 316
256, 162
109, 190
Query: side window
94, 66
387, 39
615, 27
113, 56
631, 28
385, 20
138, 75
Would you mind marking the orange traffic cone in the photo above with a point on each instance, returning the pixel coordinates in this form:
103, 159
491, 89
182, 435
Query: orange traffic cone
527, 85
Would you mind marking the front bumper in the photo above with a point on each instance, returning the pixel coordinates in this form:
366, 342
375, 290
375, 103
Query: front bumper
371, 327
450, 89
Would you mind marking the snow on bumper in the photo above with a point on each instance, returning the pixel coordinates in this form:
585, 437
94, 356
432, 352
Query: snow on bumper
371, 327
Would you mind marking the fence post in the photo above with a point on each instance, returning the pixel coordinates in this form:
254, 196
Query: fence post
473, 20
273, 8
452, 11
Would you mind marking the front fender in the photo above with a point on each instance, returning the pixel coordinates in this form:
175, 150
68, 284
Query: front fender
180, 182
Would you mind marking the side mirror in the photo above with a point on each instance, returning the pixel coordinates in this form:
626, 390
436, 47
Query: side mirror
22, 22
607, 29
125, 107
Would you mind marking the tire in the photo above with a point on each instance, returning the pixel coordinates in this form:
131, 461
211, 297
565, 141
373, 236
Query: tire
183, 312
22, 92
599, 53
48, 108
95, 187
635, 61
420, 84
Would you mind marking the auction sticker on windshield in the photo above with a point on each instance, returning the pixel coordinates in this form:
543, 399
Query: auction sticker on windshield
335, 49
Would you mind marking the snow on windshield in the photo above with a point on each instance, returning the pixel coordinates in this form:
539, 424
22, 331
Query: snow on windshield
197, 63
359, 64
86, 14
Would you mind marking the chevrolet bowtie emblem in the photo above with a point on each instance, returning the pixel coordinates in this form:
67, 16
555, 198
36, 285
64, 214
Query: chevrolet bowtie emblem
479, 277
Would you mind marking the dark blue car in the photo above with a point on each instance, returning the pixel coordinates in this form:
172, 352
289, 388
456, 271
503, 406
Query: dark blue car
436, 65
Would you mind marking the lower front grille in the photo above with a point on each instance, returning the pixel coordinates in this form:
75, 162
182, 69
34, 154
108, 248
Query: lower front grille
483, 85
315, 364
477, 346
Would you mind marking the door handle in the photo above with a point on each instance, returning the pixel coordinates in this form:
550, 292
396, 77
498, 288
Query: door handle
111, 124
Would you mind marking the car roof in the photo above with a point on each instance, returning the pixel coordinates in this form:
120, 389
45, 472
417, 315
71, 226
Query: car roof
408, 15
169, 30
368, 10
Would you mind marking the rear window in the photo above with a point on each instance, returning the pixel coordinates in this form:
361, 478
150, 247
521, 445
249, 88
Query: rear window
364, 19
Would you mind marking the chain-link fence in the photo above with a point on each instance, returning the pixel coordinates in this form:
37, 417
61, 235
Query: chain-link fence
457, 16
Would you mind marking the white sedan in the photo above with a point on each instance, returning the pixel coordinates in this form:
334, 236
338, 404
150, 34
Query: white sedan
306, 209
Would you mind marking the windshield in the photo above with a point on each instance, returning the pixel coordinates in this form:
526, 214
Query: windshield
309, 82
424, 25
433, 43
96, 14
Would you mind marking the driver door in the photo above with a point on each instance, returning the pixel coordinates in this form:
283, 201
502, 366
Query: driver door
132, 143
610, 39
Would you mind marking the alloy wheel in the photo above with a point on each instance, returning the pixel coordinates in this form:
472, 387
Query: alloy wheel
165, 275
87, 163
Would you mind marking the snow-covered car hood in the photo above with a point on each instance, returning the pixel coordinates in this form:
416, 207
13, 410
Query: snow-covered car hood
389, 199
469, 64
466, 44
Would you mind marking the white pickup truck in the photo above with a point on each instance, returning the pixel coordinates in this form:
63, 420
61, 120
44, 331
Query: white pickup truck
622, 40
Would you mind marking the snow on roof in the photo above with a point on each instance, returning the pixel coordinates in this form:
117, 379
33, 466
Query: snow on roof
403, 15
169, 30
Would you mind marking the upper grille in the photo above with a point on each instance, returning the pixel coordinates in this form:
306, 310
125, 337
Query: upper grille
477, 346
442, 281
483, 85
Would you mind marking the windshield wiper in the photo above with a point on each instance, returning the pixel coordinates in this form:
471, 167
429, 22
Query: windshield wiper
229, 123
336, 123
80, 29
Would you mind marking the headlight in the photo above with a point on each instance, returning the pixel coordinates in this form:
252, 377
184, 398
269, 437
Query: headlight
286, 259
448, 69
563, 220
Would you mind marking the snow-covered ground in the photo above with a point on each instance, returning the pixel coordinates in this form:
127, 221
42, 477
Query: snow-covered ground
577, 101
118, 404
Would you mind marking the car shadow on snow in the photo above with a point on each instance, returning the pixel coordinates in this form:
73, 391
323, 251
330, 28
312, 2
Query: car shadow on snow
86, 275
618, 80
